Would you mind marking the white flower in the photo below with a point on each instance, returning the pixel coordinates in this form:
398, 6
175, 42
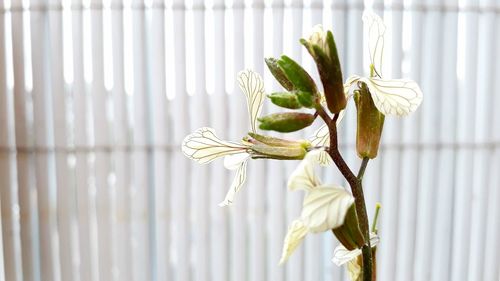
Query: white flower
343, 256
317, 36
324, 207
398, 97
203, 146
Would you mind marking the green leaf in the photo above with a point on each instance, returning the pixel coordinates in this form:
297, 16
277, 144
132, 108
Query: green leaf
286, 122
278, 73
297, 75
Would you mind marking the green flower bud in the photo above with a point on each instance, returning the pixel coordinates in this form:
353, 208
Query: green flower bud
286, 100
370, 124
300, 79
278, 73
272, 141
286, 122
306, 99
278, 152
322, 48
349, 234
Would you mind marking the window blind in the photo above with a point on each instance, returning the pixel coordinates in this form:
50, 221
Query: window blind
96, 97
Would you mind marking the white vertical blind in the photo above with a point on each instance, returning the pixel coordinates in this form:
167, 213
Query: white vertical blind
96, 97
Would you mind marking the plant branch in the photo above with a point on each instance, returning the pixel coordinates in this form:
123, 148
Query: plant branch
356, 186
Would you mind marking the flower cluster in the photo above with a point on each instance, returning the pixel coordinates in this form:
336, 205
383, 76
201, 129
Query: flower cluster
326, 207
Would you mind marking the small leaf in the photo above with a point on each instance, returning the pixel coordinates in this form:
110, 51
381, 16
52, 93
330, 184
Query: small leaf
325, 207
278, 73
296, 233
286, 122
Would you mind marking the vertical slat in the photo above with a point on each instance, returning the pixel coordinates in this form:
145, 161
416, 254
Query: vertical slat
482, 155
491, 253
403, 251
45, 161
8, 196
82, 63
24, 143
219, 181
442, 245
160, 134
199, 117
429, 113
465, 134
101, 134
121, 157
141, 248
180, 122
65, 190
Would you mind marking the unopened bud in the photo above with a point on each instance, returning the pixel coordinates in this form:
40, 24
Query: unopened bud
349, 233
298, 76
286, 100
322, 48
278, 73
272, 141
278, 152
286, 122
370, 123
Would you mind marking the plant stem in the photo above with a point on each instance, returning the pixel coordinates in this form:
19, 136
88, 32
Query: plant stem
356, 186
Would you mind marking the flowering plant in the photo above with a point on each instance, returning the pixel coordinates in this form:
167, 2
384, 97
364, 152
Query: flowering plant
326, 207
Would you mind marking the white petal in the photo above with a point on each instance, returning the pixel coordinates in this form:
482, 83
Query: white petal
252, 85
325, 207
296, 233
233, 162
203, 146
375, 29
398, 97
239, 180
321, 137
354, 270
304, 177
341, 255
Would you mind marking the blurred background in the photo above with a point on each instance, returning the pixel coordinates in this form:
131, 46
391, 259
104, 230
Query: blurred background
96, 97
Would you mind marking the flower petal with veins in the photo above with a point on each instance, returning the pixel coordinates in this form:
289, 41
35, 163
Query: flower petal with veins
203, 146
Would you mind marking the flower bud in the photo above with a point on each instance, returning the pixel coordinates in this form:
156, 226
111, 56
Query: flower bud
286, 122
349, 234
370, 124
300, 79
322, 48
272, 141
285, 99
278, 152
278, 73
